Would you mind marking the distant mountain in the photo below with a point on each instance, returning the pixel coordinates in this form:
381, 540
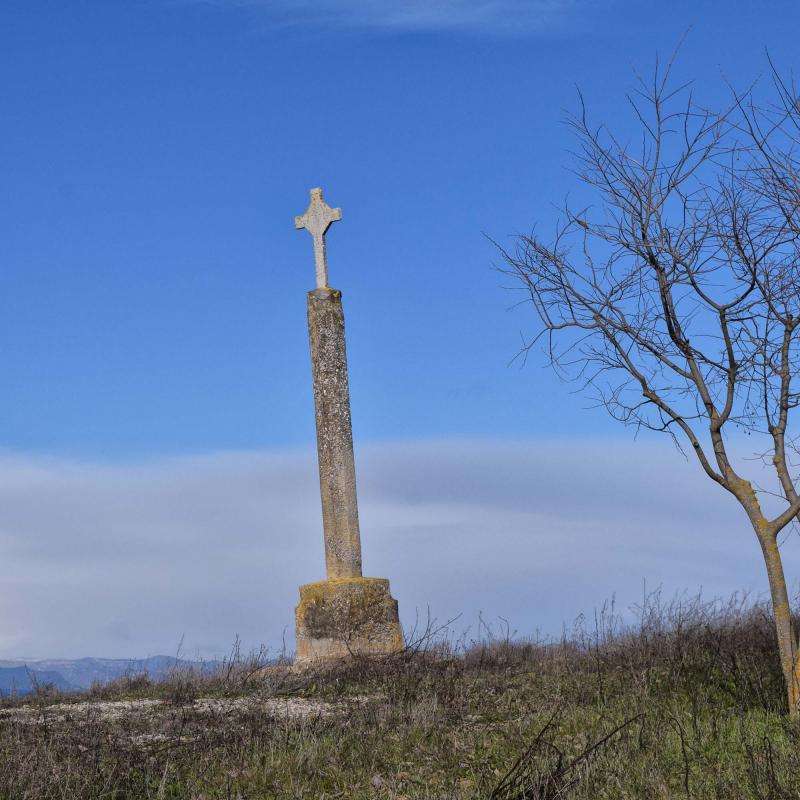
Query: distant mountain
23, 680
21, 677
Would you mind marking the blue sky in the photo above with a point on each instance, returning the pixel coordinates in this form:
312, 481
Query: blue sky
153, 155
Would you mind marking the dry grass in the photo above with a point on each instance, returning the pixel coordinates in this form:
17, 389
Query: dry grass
686, 704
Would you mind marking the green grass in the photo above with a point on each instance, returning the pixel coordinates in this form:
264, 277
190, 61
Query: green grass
691, 697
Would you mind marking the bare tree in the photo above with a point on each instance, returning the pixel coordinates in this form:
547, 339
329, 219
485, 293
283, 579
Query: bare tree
674, 298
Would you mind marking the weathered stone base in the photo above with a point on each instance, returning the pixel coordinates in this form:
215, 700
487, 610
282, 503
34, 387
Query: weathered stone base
345, 617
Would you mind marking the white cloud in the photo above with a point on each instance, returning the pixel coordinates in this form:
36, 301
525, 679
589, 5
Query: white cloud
498, 16
124, 560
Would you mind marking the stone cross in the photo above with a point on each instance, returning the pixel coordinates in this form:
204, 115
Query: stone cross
347, 614
316, 221
337, 475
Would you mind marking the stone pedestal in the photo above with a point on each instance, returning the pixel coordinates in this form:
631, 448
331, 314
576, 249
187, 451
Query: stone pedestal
340, 618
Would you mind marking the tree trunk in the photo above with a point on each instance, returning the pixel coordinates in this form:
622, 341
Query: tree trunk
781, 610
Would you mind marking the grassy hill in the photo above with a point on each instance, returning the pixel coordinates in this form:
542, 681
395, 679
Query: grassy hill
686, 704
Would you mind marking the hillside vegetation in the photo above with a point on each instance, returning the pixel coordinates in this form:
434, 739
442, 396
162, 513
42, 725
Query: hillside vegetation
688, 703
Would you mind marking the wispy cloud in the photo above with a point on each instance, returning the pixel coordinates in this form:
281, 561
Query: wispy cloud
125, 560
496, 16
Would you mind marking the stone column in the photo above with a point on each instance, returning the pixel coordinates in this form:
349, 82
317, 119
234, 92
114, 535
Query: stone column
337, 473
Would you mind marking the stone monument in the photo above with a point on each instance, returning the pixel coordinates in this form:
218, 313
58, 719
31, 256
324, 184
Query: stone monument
347, 614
